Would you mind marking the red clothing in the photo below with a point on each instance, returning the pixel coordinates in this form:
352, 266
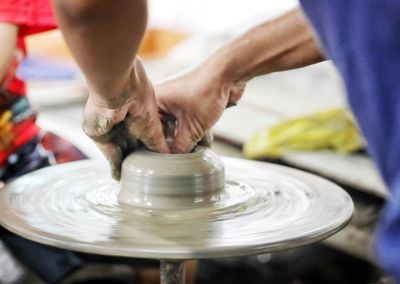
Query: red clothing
31, 16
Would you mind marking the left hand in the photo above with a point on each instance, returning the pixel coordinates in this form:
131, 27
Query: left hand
116, 123
197, 99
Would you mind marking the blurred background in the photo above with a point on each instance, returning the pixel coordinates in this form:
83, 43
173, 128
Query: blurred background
182, 33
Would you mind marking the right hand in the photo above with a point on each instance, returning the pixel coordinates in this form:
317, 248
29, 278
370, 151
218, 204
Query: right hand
116, 124
196, 99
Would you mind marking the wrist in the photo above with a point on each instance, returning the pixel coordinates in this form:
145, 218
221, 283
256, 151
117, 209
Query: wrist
115, 94
219, 68
225, 77
231, 62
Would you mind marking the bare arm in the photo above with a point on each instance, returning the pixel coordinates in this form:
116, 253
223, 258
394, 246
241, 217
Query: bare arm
281, 44
8, 39
198, 97
104, 37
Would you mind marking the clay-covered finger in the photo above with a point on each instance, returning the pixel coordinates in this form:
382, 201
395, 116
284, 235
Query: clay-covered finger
115, 146
114, 157
185, 139
98, 121
148, 129
207, 140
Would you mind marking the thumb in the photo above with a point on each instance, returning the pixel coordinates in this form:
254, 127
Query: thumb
114, 156
116, 146
99, 120
103, 126
148, 129
183, 141
207, 140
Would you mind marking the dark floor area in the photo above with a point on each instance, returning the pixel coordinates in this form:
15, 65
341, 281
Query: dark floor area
312, 264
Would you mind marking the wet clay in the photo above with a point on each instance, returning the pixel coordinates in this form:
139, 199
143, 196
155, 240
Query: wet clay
171, 181
262, 208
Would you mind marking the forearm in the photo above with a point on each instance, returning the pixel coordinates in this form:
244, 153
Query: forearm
104, 37
8, 39
284, 43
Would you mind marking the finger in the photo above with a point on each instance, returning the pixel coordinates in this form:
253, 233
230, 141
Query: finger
168, 120
235, 93
207, 140
119, 145
147, 128
114, 156
184, 141
98, 120
115, 146
99, 129
103, 127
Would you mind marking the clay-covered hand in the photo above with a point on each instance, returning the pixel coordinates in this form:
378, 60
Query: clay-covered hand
116, 124
197, 99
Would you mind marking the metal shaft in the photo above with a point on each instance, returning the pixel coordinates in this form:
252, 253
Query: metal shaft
172, 272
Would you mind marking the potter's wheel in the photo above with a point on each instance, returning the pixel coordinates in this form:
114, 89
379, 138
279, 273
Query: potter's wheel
261, 208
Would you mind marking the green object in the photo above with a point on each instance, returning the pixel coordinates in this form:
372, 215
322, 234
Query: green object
333, 129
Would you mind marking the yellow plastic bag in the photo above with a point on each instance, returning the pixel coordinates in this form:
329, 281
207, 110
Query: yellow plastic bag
333, 129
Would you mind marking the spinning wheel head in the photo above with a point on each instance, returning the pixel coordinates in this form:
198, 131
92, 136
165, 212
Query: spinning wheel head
180, 208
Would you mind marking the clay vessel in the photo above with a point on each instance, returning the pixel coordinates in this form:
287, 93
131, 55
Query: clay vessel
171, 181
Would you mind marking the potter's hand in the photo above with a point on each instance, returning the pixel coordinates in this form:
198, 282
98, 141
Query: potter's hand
197, 99
114, 124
